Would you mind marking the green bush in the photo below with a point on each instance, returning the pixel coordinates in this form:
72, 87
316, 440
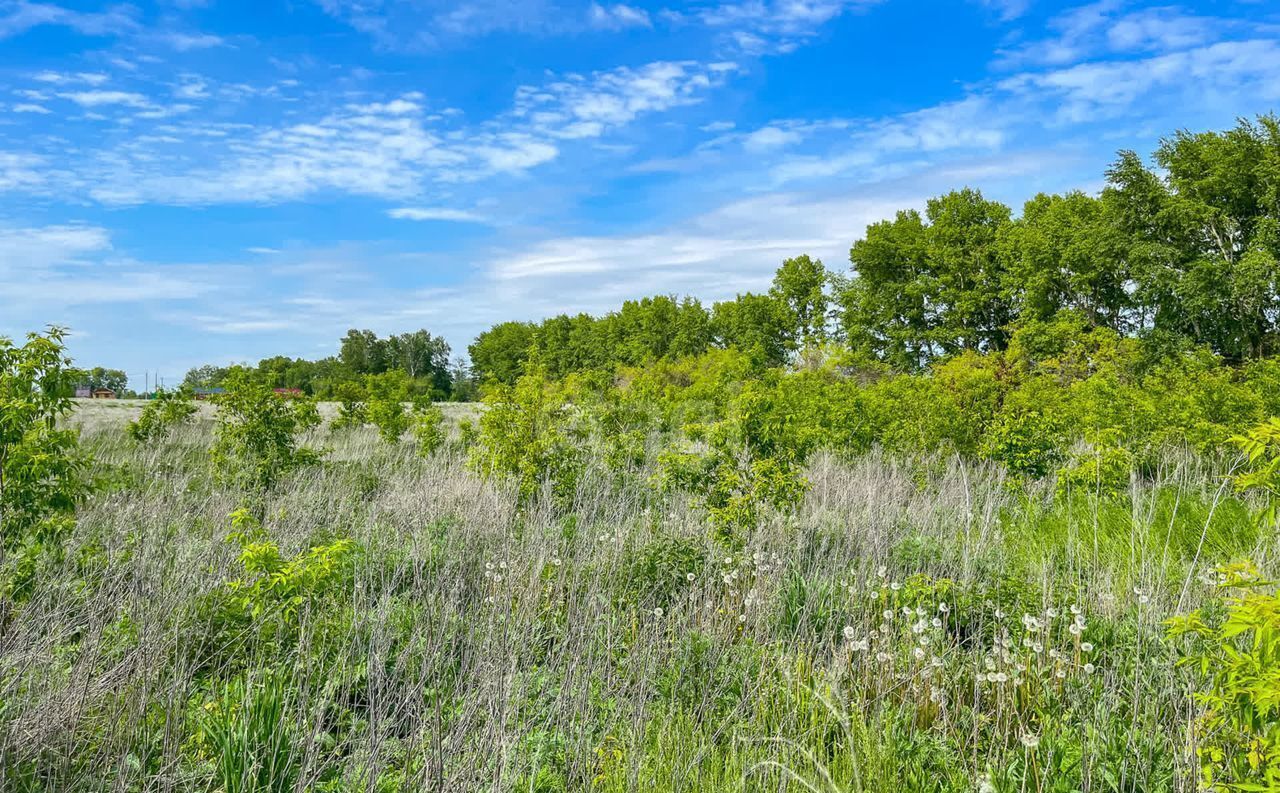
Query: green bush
166, 410
257, 433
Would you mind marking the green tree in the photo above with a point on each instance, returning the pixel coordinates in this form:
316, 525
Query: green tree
40, 464
1206, 234
800, 283
258, 432
885, 305
499, 354
1067, 253
759, 325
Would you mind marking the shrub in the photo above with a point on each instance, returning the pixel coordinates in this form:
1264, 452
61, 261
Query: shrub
428, 430
352, 411
257, 433
1238, 659
385, 409
41, 467
524, 435
167, 410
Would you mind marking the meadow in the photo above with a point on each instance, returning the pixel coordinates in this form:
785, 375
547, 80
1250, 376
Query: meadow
384, 620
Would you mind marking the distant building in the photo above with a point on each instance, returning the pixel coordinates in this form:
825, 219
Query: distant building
289, 392
103, 393
205, 393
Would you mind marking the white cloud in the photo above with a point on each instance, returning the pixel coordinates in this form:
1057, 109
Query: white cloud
63, 78
186, 42
19, 16
435, 213
618, 17
1094, 91
101, 98
27, 107
1107, 28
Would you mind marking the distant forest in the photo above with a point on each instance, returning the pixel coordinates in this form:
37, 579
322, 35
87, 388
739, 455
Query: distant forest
1179, 252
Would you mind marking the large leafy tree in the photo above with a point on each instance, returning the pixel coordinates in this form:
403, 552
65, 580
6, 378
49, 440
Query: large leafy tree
801, 284
1067, 252
1206, 233
924, 286
885, 305
499, 354
759, 325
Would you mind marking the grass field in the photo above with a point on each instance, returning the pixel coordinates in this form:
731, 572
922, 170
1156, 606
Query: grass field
386, 622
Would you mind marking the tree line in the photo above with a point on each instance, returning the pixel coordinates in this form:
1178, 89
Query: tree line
423, 360
1179, 251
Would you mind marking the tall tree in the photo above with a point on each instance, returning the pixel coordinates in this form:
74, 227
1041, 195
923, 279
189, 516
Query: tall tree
801, 284
1067, 252
499, 354
1207, 233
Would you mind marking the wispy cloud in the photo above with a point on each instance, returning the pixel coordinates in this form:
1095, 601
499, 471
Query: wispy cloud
1109, 27
436, 213
19, 16
618, 17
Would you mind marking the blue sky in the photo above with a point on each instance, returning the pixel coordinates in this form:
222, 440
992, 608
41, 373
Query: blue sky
193, 181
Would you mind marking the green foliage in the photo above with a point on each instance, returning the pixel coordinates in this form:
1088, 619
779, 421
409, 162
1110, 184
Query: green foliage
657, 572
165, 411
41, 468
386, 409
1238, 729
352, 410
248, 732
499, 354
257, 433
525, 436
428, 430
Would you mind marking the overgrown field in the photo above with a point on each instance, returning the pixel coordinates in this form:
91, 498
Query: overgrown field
550, 599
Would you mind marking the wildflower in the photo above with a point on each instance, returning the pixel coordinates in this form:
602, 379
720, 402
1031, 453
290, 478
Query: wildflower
1089, 669
944, 608
658, 612
502, 565
887, 614
1037, 648
691, 577
875, 594
919, 627
1074, 628
861, 645
1030, 740
906, 611
895, 586
1075, 609
882, 656
918, 653
881, 571
1086, 647
1051, 613
937, 623
849, 633
742, 618
1030, 623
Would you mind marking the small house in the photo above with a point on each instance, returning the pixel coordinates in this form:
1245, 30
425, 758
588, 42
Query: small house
103, 393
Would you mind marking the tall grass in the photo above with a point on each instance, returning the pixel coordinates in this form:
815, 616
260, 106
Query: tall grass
914, 625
